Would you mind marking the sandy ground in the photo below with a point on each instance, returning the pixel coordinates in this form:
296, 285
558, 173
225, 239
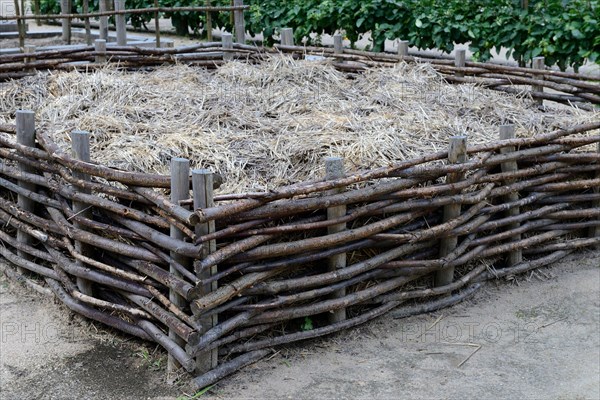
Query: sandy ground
536, 338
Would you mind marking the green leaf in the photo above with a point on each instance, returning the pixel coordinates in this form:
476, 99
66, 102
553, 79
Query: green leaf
418, 23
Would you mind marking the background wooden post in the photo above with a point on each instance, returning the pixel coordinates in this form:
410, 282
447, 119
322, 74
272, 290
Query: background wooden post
80, 146
20, 24
100, 47
239, 23
287, 36
208, 27
403, 48
338, 44
157, 25
65, 22
508, 132
36, 11
202, 185
460, 57
25, 121
103, 6
180, 190
457, 154
227, 43
334, 169
121, 23
595, 230
29, 49
88, 29
538, 63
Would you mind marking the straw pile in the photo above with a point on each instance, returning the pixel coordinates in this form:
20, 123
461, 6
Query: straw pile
267, 125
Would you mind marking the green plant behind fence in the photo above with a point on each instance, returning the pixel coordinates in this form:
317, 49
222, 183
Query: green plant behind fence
565, 32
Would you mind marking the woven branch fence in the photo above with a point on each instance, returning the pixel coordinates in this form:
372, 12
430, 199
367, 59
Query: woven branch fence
214, 278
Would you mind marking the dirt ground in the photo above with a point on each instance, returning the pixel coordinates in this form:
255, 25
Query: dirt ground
533, 337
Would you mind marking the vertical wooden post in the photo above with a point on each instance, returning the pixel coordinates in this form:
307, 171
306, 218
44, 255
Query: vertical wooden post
334, 169
338, 44
157, 25
202, 185
287, 36
180, 190
88, 29
29, 49
239, 23
25, 121
460, 56
100, 47
36, 11
538, 63
403, 48
65, 22
121, 23
508, 132
208, 27
457, 154
80, 147
20, 24
103, 5
227, 43
595, 230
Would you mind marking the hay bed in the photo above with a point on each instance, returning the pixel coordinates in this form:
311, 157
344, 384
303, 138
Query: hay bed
267, 125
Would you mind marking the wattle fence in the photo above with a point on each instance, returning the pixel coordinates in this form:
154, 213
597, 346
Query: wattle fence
211, 277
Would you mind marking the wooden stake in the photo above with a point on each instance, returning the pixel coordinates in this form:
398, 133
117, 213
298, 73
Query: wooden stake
104, 20
538, 63
403, 48
457, 154
25, 121
595, 230
507, 132
20, 24
460, 56
36, 11
239, 23
121, 23
208, 28
287, 36
65, 23
202, 184
334, 169
180, 190
29, 49
100, 47
157, 25
338, 44
227, 43
80, 146
88, 30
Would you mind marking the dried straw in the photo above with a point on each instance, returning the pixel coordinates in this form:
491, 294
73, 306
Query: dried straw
270, 124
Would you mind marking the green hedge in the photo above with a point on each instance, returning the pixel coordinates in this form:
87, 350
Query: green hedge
566, 32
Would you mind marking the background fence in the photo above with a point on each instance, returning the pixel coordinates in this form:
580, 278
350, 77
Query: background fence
212, 279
